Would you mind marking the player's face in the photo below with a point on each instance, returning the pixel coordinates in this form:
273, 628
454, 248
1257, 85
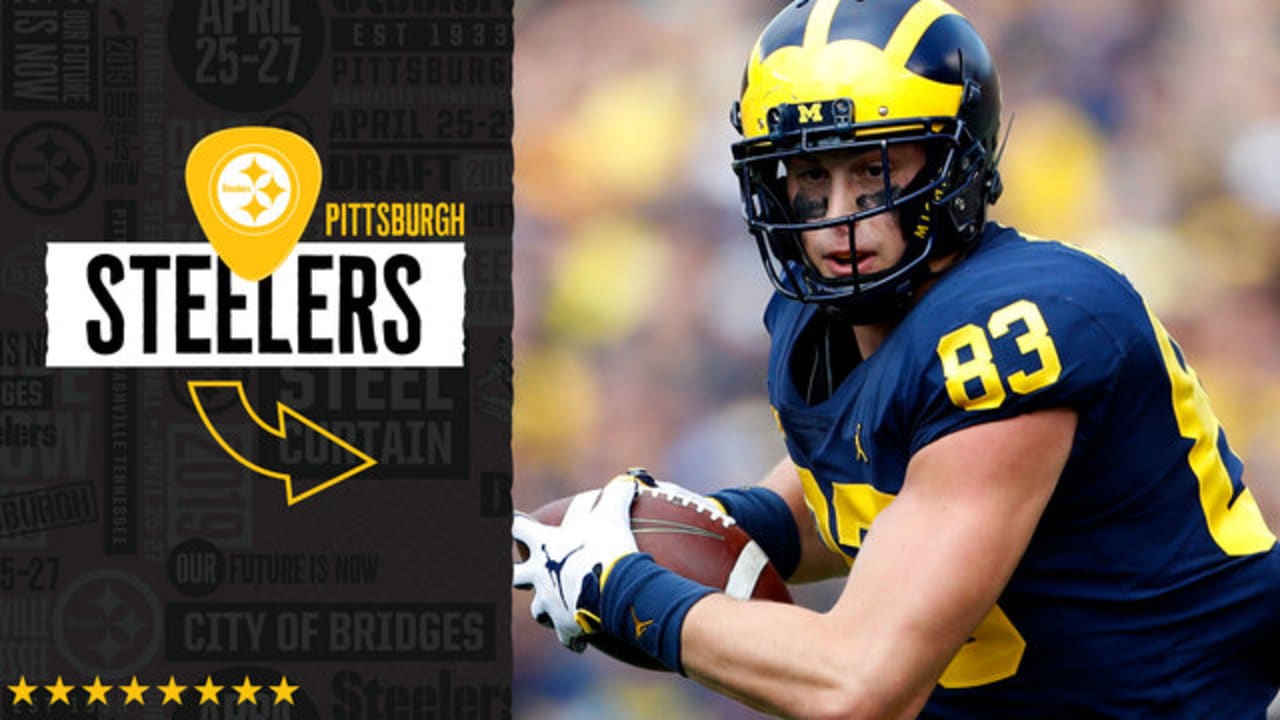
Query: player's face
841, 182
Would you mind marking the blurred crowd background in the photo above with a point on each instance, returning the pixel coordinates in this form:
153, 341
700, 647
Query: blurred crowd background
1148, 130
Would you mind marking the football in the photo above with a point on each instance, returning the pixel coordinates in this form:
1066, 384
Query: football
687, 534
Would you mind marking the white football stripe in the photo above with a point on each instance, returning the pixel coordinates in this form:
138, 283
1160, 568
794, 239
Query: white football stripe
746, 571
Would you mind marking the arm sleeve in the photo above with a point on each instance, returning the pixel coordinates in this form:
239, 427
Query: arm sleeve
764, 515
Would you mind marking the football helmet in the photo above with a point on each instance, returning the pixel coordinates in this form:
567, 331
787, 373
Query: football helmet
865, 75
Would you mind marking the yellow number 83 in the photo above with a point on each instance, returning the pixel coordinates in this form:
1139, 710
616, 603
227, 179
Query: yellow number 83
979, 365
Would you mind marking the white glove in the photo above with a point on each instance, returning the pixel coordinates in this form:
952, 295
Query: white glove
595, 532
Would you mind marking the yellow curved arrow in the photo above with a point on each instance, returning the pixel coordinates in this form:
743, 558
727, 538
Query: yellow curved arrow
282, 411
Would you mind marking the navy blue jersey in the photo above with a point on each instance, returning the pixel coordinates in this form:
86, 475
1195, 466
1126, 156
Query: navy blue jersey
1151, 587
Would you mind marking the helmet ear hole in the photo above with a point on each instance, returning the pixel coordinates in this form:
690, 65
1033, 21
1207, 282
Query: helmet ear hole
995, 187
964, 211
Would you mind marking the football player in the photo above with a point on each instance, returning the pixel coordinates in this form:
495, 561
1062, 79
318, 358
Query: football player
991, 435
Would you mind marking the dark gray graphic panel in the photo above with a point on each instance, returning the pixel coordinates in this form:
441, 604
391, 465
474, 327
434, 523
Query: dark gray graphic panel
196, 533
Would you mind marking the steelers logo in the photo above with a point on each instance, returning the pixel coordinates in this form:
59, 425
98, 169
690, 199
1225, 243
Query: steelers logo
107, 622
48, 168
253, 190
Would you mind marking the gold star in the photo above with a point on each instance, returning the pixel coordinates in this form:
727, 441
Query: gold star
284, 691
253, 172
272, 190
97, 691
22, 691
254, 208
246, 692
209, 691
59, 692
172, 691
133, 691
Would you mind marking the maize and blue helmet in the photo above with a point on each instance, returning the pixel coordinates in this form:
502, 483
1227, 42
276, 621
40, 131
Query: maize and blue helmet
865, 75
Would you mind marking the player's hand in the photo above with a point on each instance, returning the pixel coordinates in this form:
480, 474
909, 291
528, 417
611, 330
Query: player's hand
568, 564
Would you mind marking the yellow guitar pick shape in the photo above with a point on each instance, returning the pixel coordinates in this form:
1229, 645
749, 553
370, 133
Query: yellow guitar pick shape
253, 190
